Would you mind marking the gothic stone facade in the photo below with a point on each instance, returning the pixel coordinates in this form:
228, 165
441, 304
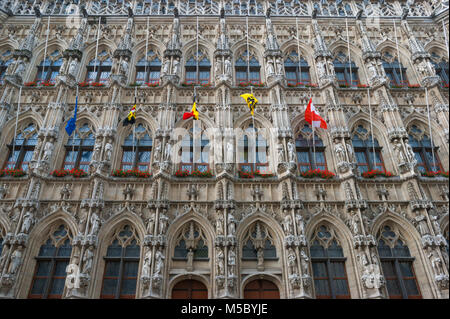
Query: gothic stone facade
106, 236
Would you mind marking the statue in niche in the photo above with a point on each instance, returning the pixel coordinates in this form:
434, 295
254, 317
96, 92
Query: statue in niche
279, 65
287, 224
28, 220
159, 262
292, 261
280, 152
88, 257
151, 223
228, 67
230, 152
398, 149
168, 151
16, 260
300, 224
231, 224
231, 260
95, 224
220, 261
304, 262
291, 151
219, 225
176, 66
123, 68
73, 66
340, 152
269, 68
108, 150
97, 150
165, 68
147, 263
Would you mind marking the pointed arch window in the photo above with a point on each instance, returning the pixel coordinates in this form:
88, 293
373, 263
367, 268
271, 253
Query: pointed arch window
148, 70
310, 155
195, 150
191, 239
423, 150
258, 238
395, 71
253, 151
137, 155
51, 263
441, 67
99, 70
328, 264
364, 151
1, 242
200, 74
21, 148
5, 60
296, 75
48, 69
121, 265
247, 73
346, 71
79, 148
397, 264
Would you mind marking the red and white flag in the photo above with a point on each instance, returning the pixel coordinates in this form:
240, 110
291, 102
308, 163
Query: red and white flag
313, 117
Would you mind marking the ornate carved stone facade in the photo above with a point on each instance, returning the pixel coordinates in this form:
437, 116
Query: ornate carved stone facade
359, 61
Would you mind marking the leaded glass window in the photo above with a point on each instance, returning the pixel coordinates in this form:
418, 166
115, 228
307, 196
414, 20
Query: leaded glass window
310, 152
297, 74
99, 70
247, 69
48, 69
137, 149
191, 239
364, 150
394, 70
198, 69
258, 240
195, 149
148, 70
253, 151
346, 71
20, 150
79, 148
423, 150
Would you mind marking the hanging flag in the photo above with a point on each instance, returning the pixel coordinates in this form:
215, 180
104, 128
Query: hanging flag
313, 117
194, 113
251, 102
71, 124
131, 117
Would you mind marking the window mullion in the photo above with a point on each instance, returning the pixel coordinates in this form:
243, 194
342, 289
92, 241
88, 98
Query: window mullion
330, 279
79, 151
49, 278
119, 280
400, 279
21, 155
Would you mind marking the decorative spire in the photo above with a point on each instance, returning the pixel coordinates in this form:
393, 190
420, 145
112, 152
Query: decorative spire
320, 46
175, 42
222, 42
271, 38
77, 42
126, 41
368, 48
28, 43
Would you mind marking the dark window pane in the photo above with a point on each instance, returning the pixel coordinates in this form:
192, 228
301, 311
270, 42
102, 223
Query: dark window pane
60, 268
319, 269
112, 269
128, 287
341, 287
130, 269
317, 251
180, 250
335, 250
406, 269
338, 269
388, 269
114, 250
38, 286
132, 251
411, 287
248, 251
322, 288
43, 268
47, 249
57, 286
109, 286
393, 288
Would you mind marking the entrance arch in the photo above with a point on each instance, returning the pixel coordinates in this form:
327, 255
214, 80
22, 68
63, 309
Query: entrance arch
189, 289
261, 289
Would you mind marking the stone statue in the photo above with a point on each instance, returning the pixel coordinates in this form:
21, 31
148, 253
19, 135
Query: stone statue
159, 262
151, 223
88, 257
95, 224
73, 66
3, 258
291, 152
228, 67
320, 68
355, 224
422, 226
231, 224
48, 149
340, 152
163, 220
16, 260
409, 152
97, 150
168, 151
287, 224
435, 223
219, 225
123, 69
166, 65
269, 68
147, 263
230, 152
436, 263
330, 67
292, 261
351, 155
108, 150
72, 277
280, 153
176, 66
218, 67
300, 224
260, 256
20, 69
399, 152
304, 262
279, 65
28, 220
372, 70
157, 152
220, 261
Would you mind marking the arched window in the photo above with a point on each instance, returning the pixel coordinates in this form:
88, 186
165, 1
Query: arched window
79, 148
423, 150
51, 263
397, 264
121, 265
394, 71
99, 70
148, 70
137, 155
297, 75
22, 147
1, 241
346, 71
364, 150
195, 150
198, 69
441, 67
191, 239
310, 154
5, 60
258, 240
253, 150
328, 264
48, 69
247, 69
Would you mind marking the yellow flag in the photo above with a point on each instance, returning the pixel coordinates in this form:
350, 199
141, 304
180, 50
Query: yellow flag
251, 102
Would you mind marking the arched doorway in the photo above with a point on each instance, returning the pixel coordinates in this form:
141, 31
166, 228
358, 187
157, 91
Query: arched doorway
261, 289
189, 289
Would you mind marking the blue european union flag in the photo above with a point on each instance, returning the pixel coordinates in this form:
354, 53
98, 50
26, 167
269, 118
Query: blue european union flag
70, 127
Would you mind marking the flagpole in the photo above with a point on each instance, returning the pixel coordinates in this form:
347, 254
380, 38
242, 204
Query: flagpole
146, 52
248, 54
96, 48
314, 139
15, 128
73, 138
371, 129
398, 54
134, 155
298, 49
429, 128
349, 54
